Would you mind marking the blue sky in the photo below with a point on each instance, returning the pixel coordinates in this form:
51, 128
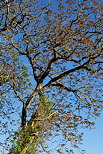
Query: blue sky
93, 139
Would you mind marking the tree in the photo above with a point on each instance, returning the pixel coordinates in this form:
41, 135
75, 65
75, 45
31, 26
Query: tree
51, 71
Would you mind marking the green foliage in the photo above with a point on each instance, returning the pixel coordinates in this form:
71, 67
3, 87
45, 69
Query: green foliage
19, 139
23, 136
45, 105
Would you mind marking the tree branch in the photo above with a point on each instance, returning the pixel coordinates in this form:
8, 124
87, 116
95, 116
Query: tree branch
63, 87
17, 95
33, 67
68, 72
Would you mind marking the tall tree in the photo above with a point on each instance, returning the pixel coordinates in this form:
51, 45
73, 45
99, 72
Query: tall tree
51, 71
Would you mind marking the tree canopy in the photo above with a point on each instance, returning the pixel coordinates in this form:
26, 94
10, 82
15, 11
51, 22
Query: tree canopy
51, 68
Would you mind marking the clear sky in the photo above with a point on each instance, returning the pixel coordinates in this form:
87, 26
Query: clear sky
93, 139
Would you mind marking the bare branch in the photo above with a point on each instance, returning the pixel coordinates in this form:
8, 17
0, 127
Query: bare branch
17, 95
63, 87
68, 72
33, 67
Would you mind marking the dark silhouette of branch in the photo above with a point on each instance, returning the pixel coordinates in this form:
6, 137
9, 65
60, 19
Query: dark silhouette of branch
68, 72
